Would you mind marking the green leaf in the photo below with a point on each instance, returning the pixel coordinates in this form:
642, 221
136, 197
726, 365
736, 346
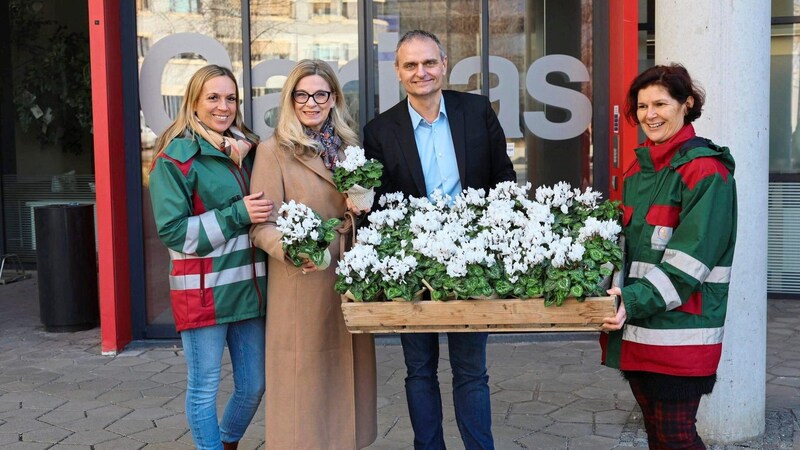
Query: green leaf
503, 287
394, 292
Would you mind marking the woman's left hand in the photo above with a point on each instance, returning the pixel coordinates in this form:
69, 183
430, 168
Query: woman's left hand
617, 321
354, 209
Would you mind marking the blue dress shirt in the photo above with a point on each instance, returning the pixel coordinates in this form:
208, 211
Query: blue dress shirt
436, 152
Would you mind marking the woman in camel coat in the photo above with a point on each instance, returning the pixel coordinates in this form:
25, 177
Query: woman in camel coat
321, 380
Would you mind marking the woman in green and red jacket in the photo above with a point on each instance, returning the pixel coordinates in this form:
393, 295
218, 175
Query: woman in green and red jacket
679, 213
199, 185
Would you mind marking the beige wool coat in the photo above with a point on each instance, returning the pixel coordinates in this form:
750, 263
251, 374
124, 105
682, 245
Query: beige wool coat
321, 380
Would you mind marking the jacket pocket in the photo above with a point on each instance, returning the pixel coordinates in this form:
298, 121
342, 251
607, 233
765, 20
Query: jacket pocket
664, 219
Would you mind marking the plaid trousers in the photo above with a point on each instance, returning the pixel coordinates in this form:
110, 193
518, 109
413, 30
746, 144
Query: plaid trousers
670, 424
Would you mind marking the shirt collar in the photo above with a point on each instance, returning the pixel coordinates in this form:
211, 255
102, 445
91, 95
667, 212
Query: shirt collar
416, 118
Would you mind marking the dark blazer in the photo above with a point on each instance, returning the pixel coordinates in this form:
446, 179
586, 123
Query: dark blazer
478, 139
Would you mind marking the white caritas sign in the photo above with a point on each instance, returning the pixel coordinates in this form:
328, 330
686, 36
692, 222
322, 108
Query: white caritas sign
506, 92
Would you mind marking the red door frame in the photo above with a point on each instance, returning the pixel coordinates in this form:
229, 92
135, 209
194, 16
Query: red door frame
623, 66
109, 159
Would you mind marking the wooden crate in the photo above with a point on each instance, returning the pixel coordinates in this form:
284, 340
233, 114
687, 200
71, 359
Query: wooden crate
501, 315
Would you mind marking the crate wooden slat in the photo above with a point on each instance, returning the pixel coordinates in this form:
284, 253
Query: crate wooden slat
511, 315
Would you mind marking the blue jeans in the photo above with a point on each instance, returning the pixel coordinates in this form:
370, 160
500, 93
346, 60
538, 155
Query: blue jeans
470, 389
202, 348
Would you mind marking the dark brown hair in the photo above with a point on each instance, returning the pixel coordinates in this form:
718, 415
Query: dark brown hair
676, 80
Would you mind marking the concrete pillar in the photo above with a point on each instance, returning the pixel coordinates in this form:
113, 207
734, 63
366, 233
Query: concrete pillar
725, 45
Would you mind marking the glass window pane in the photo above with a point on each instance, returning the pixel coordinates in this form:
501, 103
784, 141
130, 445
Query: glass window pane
541, 76
283, 32
455, 22
781, 8
784, 136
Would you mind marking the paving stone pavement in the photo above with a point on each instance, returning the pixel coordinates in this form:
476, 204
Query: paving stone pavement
548, 391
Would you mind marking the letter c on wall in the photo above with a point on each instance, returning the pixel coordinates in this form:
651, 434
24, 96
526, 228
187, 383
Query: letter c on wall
153, 68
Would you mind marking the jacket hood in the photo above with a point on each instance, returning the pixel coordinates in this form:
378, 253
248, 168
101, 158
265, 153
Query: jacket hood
698, 147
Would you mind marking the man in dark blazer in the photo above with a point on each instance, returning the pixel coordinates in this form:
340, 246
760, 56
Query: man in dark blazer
446, 141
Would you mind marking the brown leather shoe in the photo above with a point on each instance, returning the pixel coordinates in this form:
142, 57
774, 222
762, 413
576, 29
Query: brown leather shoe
230, 445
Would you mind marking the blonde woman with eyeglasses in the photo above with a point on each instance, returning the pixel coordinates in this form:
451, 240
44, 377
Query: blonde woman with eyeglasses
321, 380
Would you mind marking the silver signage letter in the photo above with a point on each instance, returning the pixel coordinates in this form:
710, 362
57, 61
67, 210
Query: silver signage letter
388, 92
263, 104
505, 92
573, 101
153, 68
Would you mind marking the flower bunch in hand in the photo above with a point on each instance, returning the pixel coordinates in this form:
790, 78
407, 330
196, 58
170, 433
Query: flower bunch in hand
305, 234
356, 169
358, 177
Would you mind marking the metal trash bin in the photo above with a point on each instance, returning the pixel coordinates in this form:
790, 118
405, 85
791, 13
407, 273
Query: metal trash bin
66, 261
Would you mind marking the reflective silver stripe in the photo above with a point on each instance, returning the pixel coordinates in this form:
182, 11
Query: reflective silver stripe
664, 286
229, 276
192, 235
184, 282
719, 274
238, 243
213, 230
639, 269
214, 279
684, 336
686, 263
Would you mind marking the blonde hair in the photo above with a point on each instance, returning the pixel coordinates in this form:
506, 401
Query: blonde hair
187, 119
289, 132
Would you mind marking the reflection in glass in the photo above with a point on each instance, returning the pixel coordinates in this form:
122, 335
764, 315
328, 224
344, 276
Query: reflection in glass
283, 32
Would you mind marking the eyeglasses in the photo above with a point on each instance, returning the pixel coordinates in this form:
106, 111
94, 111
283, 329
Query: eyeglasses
320, 97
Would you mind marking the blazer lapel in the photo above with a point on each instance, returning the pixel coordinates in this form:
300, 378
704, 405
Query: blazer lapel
455, 116
408, 147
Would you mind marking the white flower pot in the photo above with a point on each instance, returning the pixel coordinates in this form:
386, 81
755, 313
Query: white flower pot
362, 197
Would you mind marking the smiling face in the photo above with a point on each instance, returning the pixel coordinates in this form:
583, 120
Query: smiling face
420, 67
216, 107
659, 114
312, 114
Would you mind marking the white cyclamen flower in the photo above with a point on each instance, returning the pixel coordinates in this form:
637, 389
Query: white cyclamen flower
359, 262
296, 222
353, 158
606, 229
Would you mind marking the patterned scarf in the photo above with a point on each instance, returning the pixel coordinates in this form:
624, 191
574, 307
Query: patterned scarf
236, 146
330, 143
